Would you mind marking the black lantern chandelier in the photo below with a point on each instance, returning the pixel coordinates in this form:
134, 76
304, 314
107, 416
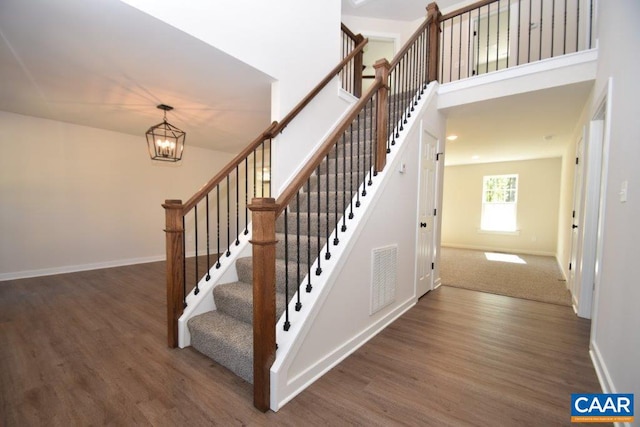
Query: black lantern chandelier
165, 141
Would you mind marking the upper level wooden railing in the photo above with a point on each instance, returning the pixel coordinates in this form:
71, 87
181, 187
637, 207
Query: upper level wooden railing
492, 35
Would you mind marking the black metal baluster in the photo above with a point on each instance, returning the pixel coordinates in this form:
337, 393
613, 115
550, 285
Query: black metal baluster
246, 195
218, 222
372, 140
529, 39
407, 85
196, 291
309, 287
397, 122
553, 25
287, 324
237, 205
498, 38
184, 266
299, 279
358, 164
540, 30
335, 209
469, 46
508, 32
477, 67
228, 219
208, 261
460, 49
451, 50
262, 172
319, 210
519, 29
564, 36
578, 26
351, 171
590, 24
488, 32
255, 182
327, 255
443, 28
344, 182
270, 168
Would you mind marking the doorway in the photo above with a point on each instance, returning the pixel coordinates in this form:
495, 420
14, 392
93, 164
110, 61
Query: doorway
426, 214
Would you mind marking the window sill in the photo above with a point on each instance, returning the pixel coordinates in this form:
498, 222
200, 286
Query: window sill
499, 232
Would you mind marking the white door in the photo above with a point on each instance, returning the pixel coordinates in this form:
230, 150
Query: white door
426, 214
575, 224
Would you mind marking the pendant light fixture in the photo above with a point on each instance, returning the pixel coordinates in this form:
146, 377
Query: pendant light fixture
165, 141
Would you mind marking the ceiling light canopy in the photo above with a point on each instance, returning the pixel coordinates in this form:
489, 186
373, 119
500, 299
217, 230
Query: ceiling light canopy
165, 141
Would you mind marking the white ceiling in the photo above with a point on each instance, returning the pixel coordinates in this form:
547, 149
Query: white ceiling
531, 125
104, 64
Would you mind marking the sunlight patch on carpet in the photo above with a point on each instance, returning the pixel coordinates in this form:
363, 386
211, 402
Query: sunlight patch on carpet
514, 259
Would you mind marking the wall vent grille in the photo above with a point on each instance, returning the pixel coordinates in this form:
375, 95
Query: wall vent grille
383, 277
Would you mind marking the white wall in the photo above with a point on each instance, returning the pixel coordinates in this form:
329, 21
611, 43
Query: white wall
76, 198
538, 202
615, 332
295, 42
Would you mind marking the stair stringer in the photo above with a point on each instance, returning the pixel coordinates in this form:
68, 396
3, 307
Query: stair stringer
203, 301
331, 325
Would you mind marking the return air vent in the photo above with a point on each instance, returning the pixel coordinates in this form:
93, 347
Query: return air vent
383, 277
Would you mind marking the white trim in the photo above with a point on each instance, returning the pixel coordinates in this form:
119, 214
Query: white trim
80, 267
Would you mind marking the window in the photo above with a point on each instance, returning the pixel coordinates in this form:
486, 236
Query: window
499, 202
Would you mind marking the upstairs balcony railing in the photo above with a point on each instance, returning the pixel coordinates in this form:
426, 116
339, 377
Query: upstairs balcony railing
493, 35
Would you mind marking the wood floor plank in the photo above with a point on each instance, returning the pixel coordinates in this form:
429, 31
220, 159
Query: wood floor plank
89, 348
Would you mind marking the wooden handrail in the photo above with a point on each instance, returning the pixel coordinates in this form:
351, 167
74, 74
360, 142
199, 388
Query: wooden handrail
325, 148
307, 99
466, 9
217, 179
348, 32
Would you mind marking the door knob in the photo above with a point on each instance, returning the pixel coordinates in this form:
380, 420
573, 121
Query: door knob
574, 226
423, 225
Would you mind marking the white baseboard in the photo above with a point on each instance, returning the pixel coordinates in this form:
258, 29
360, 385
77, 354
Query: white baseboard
75, 268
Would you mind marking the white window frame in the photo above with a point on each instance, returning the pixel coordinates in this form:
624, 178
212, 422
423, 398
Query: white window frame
508, 210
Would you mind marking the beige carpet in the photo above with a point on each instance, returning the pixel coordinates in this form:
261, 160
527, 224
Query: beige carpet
530, 277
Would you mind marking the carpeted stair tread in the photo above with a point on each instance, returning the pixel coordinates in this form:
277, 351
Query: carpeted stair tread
244, 267
224, 339
308, 223
236, 300
310, 200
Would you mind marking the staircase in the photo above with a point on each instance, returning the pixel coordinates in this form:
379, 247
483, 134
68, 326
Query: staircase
225, 334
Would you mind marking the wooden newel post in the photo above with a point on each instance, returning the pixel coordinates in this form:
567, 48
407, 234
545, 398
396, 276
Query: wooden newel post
175, 272
382, 68
358, 68
434, 40
263, 239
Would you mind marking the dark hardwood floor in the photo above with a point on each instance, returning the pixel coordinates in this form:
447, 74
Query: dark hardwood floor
89, 348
